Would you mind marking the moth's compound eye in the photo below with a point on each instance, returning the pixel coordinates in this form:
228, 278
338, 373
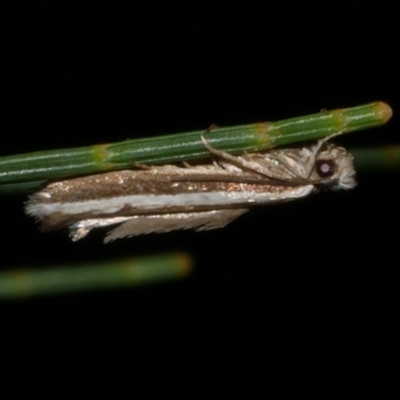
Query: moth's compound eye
325, 168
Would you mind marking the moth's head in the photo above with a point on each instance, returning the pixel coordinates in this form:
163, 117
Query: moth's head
334, 168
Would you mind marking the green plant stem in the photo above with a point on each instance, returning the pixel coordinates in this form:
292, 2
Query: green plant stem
23, 283
185, 146
377, 159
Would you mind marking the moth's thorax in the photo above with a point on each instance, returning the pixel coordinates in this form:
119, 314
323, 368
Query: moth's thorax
305, 165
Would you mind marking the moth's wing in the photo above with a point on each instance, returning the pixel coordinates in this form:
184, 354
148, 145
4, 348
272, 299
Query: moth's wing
201, 221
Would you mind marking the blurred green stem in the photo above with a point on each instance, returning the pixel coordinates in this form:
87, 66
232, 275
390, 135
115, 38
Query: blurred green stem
377, 159
23, 283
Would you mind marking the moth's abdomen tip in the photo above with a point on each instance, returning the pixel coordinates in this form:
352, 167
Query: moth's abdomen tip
31, 208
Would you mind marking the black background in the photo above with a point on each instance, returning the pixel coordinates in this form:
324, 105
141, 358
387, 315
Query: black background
317, 276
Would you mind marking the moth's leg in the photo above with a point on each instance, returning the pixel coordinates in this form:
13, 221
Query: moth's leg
215, 163
208, 130
249, 164
306, 158
218, 153
316, 150
211, 128
324, 140
139, 165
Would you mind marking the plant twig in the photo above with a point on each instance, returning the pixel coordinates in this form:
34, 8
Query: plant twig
185, 146
23, 283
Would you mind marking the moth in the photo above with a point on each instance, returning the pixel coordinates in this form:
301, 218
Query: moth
155, 199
